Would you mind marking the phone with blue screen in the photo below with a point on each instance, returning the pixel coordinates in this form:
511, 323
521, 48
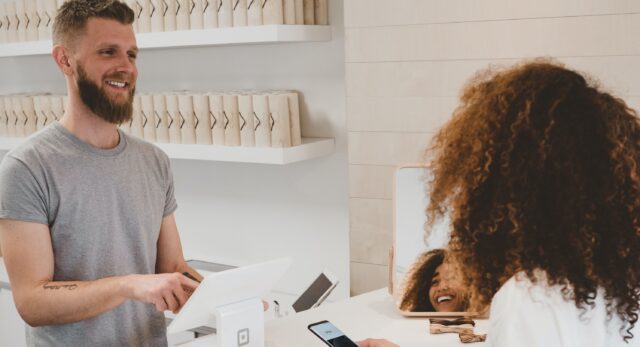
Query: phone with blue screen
331, 335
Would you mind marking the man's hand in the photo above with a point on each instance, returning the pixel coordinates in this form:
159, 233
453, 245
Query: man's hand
376, 343
166, 291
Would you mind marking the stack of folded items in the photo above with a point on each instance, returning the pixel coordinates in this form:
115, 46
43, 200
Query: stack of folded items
461, 326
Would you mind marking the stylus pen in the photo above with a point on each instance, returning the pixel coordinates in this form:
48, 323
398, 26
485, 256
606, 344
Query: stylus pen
189, 276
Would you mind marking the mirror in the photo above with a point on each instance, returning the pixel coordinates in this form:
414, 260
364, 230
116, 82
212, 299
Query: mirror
417, 259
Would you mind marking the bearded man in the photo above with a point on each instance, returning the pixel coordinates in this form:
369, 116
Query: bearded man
87, 228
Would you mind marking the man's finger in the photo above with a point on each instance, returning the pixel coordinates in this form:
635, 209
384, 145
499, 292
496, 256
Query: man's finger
172, 304
160, 305
181, 296
188, 283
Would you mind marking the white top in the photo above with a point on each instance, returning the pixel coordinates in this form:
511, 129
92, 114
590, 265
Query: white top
524, 314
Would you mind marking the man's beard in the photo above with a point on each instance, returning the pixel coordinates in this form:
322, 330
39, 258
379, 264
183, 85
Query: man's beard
96, 99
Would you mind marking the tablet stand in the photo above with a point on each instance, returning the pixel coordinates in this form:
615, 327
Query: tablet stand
240, 324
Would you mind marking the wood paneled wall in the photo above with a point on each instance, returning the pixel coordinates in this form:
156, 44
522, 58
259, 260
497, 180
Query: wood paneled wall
406, 61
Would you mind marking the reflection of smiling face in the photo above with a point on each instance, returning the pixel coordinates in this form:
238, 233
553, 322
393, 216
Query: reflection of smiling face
446, 293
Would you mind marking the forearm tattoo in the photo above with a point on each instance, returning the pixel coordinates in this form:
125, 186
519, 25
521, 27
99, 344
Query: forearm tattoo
62, 286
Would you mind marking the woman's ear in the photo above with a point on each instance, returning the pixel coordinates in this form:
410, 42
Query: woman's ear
61, 57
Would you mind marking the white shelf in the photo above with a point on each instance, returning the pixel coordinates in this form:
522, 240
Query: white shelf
194, 38
311, 148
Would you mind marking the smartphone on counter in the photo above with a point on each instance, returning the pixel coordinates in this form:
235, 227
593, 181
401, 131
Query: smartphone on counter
331, 335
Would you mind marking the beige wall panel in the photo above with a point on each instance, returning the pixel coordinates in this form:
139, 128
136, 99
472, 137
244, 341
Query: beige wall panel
633, 102
417, 114
571, 36
411, 79
371, 232
387, 148
368, 277
410, 114
366, 13
371, 181
620, 74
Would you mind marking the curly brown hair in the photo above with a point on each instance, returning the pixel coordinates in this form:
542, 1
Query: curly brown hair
415, 292
540, 169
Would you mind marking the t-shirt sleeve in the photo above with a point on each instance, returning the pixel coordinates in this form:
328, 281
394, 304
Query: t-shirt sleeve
21, 195
170, 204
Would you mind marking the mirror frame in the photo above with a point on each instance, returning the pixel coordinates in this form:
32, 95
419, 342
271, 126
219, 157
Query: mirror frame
393, 281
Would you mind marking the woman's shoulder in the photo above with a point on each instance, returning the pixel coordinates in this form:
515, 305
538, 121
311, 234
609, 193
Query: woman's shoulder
510, 297
532, 309
533, 294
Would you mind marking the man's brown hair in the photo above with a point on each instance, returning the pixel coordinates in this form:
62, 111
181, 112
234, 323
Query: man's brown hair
540, 170
72, 17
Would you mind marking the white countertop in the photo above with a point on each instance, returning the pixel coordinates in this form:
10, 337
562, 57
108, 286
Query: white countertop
369, 315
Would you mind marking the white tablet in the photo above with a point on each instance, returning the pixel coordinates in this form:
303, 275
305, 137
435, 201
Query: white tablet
227, 287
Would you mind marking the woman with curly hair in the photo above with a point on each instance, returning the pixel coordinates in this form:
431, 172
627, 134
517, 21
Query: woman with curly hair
433, 286
539, 170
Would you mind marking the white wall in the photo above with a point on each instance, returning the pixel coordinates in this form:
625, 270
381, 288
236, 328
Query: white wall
407, 60
245, 213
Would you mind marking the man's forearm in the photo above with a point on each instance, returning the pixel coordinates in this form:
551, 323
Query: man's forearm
68, 302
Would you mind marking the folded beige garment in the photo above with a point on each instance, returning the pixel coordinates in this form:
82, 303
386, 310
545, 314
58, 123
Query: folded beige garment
438, 329
456, 326
470, 338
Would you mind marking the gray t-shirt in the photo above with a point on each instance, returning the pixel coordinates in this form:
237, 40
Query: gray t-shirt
104, 209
